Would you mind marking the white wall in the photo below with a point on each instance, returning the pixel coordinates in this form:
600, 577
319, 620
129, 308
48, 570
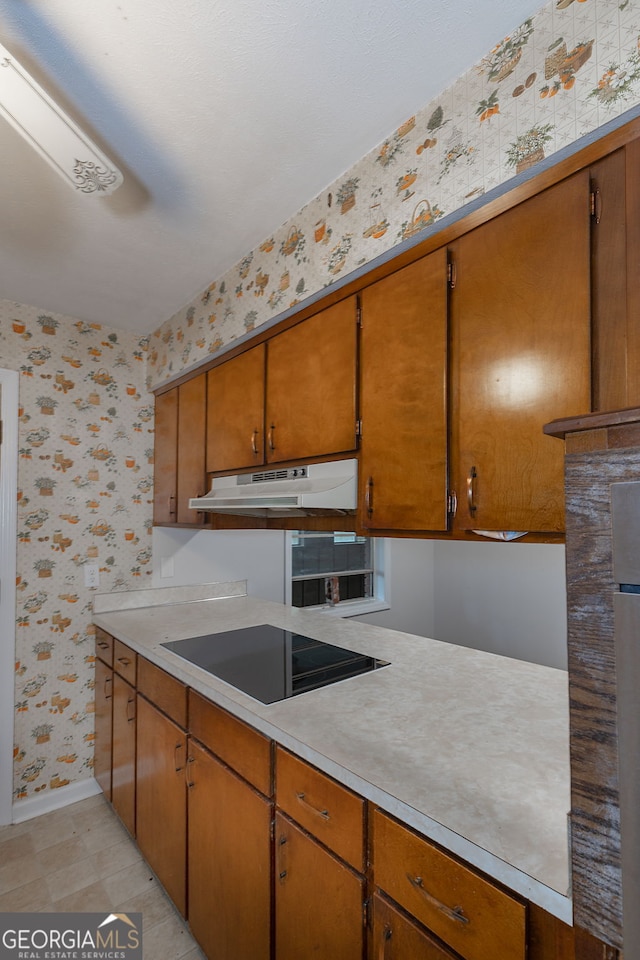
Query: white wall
508, 598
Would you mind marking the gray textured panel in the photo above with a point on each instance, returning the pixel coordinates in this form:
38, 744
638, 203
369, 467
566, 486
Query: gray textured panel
625, 513
596, 867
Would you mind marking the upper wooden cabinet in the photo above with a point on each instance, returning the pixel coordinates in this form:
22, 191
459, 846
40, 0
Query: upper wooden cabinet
235, 407
291, 398
311, 386
179, 452
520, 325
403, 399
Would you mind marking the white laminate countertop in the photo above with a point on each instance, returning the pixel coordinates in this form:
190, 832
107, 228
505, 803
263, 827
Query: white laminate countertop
469, 748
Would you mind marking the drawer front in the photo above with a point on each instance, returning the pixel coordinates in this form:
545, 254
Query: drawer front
167, 693
329, 811
124, 662
238, 745
104, 646
476, 918
395, 937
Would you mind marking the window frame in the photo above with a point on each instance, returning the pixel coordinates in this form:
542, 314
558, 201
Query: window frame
346, 608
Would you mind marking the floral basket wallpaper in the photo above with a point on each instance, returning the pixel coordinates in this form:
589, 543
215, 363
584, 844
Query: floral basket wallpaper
86, 416
85, 486
564, 72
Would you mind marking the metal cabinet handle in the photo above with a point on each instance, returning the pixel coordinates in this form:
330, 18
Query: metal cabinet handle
281, 870
187, 772
270, 440
107, 680
472, 505
305, 803
176, 762
368, 497
172, 509
453, 913
131, 715
596, 204
125, 661
387, 933
254, 445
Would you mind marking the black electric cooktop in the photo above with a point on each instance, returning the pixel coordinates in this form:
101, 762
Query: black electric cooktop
270, 663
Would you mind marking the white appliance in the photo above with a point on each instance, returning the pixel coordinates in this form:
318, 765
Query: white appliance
309, 490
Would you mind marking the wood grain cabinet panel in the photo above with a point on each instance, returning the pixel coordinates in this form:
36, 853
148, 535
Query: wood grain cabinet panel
125, 661
102, 746
311, 386
161, 799
123, 771
331, 812
235, 412
237, 744
521, 356
318, 900
165, 691
395, 937
230, 873
179, 452
403, 399
104, 646
477, 919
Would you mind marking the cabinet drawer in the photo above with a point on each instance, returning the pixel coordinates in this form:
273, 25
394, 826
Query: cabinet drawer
325, 808
238, 745
395, 937
468, 912
104, 646
167, 693
124, 661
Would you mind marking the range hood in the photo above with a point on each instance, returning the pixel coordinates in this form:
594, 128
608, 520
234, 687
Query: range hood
288, 492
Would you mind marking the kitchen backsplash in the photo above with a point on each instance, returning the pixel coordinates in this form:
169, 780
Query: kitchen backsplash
567, 70
85, 479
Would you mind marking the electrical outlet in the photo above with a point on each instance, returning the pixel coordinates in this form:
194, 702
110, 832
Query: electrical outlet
91, 575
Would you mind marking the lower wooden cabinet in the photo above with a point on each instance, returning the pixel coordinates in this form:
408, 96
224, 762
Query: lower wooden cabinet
103, 726
229, 861
123, 770
161, 799
395, 937
318, 899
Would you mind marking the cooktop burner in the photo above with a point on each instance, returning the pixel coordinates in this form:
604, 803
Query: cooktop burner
270, 663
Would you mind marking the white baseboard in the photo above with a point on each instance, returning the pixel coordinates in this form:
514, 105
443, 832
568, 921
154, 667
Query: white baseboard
54, 800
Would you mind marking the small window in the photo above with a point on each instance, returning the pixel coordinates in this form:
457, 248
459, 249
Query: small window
334, 570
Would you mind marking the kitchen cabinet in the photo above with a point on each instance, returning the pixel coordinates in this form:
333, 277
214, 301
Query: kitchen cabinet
103, 692
123, 761
229, 857
469, 913
520, 356
291, 398
403, 399
235, 407
179, 452
229, 837
311, 386
395, 937
161, 792
319, 898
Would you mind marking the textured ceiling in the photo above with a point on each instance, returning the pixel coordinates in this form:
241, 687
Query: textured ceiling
225, 116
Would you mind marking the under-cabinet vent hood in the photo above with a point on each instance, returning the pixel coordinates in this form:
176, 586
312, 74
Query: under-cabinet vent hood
287, 492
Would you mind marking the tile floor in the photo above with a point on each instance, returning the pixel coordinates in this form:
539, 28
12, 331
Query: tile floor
81, 858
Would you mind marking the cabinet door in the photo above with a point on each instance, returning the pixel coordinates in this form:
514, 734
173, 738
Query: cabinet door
229, 861
403, 399
190, 468
318, 900
161, 801
520, 316
123, 783
165, 457
103, 726
395, 937
311, 386
235, 412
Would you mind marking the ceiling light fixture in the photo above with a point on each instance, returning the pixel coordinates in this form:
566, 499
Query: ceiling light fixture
52, 133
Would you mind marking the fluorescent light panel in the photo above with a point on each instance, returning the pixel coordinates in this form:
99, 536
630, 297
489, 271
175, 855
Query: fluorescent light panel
53, 134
